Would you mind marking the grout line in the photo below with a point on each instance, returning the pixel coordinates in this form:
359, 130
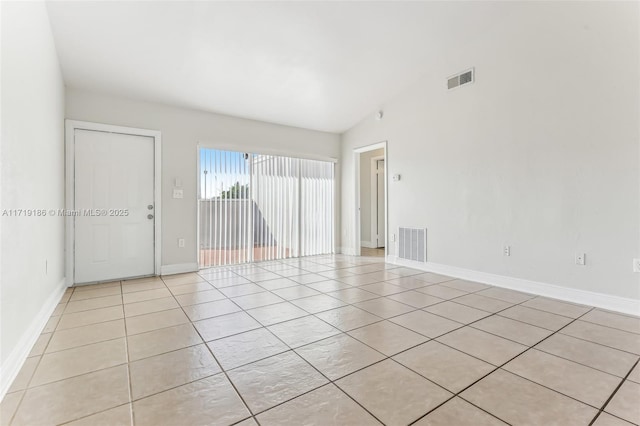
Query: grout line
578, 362
190, 381
71, 377
384, 319
100, 412
499, 367
607, 311
573, 319
130, 387
609, 327
340, 332
462, 325
601, 409
24, 391
222, 370
244, 420
82, 374
601, 344
86, 310
528, 323
84, 344
329, 381
293, 350
385, 357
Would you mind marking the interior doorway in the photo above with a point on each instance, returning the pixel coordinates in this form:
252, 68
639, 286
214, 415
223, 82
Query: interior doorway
377, 203
371, 209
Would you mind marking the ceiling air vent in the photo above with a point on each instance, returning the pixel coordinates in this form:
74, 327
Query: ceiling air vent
464, 77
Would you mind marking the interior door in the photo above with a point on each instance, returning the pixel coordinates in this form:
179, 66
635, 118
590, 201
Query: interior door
114, 204
380, 202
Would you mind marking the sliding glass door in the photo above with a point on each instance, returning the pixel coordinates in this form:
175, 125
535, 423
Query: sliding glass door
275, 193
256, 207
225, 209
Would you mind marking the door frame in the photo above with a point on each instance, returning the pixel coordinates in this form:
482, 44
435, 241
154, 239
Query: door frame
70, 127
357, 218
374, 201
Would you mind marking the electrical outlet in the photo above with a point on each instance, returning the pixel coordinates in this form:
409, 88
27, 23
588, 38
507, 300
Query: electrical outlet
581, 259
178, 193
636, 265
181, 242
506, 250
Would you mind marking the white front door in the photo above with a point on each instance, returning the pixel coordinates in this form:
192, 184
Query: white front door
114, 203
380, 180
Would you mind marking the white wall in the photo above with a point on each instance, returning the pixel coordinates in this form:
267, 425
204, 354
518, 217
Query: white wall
32, 164
367, 216
540, 153
182, 129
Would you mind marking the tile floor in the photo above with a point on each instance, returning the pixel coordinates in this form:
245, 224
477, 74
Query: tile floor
325, 340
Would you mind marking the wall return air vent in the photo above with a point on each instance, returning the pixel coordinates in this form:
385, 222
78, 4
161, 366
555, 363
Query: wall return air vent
412, 244
465, 77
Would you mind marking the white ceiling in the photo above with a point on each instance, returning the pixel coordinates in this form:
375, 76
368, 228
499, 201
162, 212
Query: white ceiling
317, 65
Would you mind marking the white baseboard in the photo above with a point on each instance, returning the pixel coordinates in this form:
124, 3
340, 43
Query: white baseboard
178, 268
368, 244
583, 297
11, 367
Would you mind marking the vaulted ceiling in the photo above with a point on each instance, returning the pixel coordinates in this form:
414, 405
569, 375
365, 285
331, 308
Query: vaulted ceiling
317, 65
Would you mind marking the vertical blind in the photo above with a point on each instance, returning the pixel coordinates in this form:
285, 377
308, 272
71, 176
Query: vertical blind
260, 207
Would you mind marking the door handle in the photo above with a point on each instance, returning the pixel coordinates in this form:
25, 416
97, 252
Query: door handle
150, 207
149, 216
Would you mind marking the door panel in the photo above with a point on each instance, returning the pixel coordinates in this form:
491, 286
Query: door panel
380, 203
113, 172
